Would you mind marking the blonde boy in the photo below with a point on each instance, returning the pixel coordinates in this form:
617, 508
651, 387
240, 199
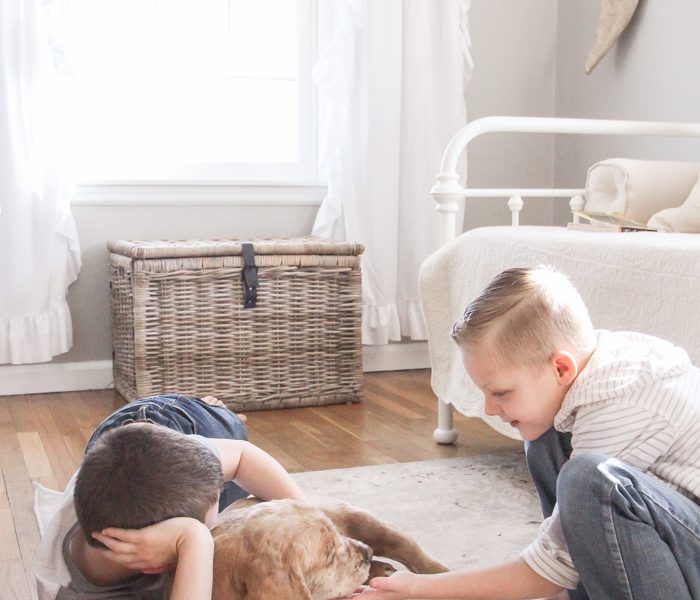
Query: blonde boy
612, 429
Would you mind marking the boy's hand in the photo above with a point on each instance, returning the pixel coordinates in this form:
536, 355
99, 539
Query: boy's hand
354, 594
398, 586
151, 550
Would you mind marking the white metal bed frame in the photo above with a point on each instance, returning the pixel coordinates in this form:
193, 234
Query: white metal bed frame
448, 192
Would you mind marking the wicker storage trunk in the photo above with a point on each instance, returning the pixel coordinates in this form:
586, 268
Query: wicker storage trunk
179, 323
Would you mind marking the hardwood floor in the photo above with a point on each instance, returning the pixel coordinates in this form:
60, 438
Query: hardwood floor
43, 436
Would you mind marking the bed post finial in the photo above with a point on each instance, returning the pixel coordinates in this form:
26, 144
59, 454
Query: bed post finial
576, 203
515, 204
447, 193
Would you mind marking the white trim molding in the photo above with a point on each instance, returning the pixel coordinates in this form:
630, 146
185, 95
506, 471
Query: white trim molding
46, 378
194, 194
396, 357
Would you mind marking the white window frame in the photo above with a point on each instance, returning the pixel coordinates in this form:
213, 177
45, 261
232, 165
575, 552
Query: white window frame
236, 183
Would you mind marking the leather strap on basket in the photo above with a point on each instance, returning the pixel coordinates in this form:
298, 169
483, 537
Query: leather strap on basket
250, 276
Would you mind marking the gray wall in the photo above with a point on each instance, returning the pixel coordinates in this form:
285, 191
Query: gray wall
651, 74
513, 45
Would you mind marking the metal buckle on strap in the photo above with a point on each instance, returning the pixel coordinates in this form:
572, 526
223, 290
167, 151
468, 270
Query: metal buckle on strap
250, 276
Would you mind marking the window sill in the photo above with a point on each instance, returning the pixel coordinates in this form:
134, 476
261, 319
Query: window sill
198, 194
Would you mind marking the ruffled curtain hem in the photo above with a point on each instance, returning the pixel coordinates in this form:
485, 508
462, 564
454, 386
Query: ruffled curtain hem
391, 322
36, 338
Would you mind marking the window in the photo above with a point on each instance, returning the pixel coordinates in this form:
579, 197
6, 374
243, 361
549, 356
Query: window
214, 91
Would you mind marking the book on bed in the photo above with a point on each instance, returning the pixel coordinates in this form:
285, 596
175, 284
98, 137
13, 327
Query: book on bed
607, 221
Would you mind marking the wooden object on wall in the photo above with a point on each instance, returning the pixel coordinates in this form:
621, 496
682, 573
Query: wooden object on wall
614, 17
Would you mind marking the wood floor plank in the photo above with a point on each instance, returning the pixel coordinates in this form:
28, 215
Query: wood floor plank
301, 444
413, 431
4, 501
8, 536
88, 410
336, 440
394, 402
5, 415
62, 463
20, 493
21, 413
27, 427
418, 396
35, 458
289, 462
11, 459
73, 438
346, 419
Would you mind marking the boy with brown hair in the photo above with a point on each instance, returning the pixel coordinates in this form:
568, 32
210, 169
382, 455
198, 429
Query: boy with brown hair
138, 511
612, 429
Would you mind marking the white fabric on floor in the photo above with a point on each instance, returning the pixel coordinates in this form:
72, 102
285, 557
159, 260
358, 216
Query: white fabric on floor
645, 282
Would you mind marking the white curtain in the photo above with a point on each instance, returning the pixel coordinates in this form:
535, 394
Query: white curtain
39, 252
391, 83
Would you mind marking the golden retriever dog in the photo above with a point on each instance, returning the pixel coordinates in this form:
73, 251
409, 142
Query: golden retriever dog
289, 550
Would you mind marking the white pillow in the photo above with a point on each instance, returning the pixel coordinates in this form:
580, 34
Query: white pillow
638, 188
683, 219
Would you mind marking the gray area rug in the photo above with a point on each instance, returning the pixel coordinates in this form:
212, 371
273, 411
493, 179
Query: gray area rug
464, 511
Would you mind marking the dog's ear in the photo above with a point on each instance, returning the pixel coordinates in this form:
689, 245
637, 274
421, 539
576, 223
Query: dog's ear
277, 583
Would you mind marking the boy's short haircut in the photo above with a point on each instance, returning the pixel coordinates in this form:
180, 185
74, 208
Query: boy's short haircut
524, 315
139, 474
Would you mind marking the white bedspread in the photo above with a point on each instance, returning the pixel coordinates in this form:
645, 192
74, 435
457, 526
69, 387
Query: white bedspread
647, 282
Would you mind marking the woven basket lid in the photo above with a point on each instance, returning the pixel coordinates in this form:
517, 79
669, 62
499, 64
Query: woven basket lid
192, 248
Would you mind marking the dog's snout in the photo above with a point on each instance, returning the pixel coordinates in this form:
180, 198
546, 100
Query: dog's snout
365, 551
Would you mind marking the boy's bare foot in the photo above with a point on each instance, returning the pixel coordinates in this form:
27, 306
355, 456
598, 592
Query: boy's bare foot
214, 401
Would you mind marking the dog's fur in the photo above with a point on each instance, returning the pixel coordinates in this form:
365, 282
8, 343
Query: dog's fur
285, 549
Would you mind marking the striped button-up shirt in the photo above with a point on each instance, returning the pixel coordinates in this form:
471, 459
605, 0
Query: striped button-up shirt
637, 400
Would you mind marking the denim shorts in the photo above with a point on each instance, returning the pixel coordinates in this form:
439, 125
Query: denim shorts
187, 415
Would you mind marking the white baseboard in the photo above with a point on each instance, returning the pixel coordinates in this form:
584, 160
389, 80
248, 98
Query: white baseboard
97, 374
55, 377
396, 357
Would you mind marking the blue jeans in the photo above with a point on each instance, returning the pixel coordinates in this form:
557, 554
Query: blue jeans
187, 415
630, 536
